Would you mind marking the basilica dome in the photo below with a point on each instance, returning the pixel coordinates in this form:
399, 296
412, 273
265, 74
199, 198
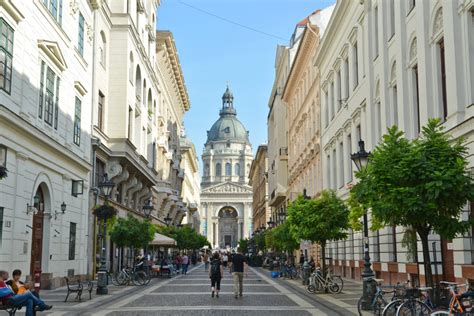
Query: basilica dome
228, 127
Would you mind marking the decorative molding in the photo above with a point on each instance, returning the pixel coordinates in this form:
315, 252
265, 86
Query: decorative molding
438, 22
90, 33
413, 50
80, 88
12, 10
96, 4
73, 6
52, 50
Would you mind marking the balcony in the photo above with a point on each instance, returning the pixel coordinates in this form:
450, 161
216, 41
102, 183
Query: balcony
277, 196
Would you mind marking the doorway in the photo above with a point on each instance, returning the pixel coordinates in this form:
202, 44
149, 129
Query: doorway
37, 234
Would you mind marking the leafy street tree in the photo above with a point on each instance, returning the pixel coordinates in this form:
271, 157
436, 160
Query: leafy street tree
186, 237
319, 220
131, 232
281, 239
244, 245
422, 184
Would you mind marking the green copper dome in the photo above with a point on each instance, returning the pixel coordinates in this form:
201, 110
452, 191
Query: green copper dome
228, 126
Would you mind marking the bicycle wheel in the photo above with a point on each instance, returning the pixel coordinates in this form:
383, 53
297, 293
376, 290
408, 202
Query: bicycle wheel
359, 306
439, 313
339, 282
333, 288
379, 305
311, 289
121, 278
391, 308
413, 308
139, 278
112, 278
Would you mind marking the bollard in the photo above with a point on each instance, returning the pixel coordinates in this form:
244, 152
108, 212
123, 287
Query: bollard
306, 272
37, 280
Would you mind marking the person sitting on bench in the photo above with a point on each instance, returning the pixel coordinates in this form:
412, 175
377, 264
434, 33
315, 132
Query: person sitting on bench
17, 286
8, 297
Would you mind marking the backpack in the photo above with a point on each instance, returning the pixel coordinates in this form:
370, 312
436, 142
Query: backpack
215, 268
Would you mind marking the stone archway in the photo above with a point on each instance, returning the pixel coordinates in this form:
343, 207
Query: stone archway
228, 227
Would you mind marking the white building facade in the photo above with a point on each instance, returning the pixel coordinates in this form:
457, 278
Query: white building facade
385, 63
226, 197
45, 106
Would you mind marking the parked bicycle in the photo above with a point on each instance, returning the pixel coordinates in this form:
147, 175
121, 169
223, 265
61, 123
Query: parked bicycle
127, 275
460, 303
380, 299
414, 303
318, 283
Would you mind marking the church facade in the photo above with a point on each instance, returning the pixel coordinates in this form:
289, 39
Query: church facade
226, 197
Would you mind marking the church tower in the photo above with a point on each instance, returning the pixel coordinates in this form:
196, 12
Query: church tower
226, 197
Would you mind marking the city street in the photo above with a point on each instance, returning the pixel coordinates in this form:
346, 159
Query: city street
183, 295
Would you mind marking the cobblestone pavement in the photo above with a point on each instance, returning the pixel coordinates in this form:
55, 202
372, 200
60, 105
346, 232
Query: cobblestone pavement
190, 295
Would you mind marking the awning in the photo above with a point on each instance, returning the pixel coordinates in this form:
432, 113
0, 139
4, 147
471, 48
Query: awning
162, 240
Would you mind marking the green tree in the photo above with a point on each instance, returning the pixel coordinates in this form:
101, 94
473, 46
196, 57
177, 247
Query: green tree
260, 241
131, 232
281, 239
319, 220
244, 245
186, 237
422, 184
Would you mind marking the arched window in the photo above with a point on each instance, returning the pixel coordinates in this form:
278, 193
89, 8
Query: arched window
228, 169
138, 83
394, 95
438, 35
102, 48
218, 170
248, 169
130, 68
206, 170
237, 169
144, 91
149, 104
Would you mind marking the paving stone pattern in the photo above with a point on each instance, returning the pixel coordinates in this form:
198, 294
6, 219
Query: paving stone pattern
191, 295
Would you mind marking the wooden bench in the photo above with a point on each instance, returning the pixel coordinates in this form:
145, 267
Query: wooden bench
74, 288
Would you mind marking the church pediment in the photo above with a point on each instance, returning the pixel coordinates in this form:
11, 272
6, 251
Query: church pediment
227, 187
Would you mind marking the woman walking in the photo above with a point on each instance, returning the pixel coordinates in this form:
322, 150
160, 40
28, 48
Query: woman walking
216, 272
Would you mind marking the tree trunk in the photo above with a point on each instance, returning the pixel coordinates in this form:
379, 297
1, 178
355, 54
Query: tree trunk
323, 258
426, 258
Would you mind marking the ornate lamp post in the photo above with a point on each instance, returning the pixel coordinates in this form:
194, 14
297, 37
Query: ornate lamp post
361, 159
168, 220
103, 213
147, 209
271, 223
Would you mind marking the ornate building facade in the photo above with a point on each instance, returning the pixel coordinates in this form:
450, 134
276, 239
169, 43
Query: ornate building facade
259, 181
226, 197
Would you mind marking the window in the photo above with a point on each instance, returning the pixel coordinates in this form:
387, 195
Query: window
376, 246
1, 226
358, 133
395, 105
334, 170
328, 172
346, 78
72, 241
55, 8
331, 100
417, 98
443, 79
341, 164
130, 69
376, 32
49, 96
80, 38
228, 169
6, 56
218, 170
237, 169
100, 111
206, 170
339, 90
77, 122
349, 145
130, 120
392, 18
356, 65
99, 171
326, 110
378, 121
394, 244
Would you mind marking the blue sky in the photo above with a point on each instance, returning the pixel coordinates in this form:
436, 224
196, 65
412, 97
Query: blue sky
213, 52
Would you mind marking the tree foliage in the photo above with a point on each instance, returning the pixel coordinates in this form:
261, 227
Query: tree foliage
260, 240
281, 239
244, 245
319, 220
186, 237
422, 183
131, 232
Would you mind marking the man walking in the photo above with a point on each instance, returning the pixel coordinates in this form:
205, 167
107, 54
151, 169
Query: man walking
238, 262
185, 263
205, 258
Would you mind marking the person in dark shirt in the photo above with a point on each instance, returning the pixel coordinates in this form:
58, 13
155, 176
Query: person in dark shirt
238, 265
216, 273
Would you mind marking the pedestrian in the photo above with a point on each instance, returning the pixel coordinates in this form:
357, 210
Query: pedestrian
8, 297
216, 272
205, 258
239, 262
185, 263
178, 261
225, 260
301, 257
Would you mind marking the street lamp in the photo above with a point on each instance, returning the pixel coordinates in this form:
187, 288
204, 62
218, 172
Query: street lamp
168, 220
105, 188
361, 159
147, 208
